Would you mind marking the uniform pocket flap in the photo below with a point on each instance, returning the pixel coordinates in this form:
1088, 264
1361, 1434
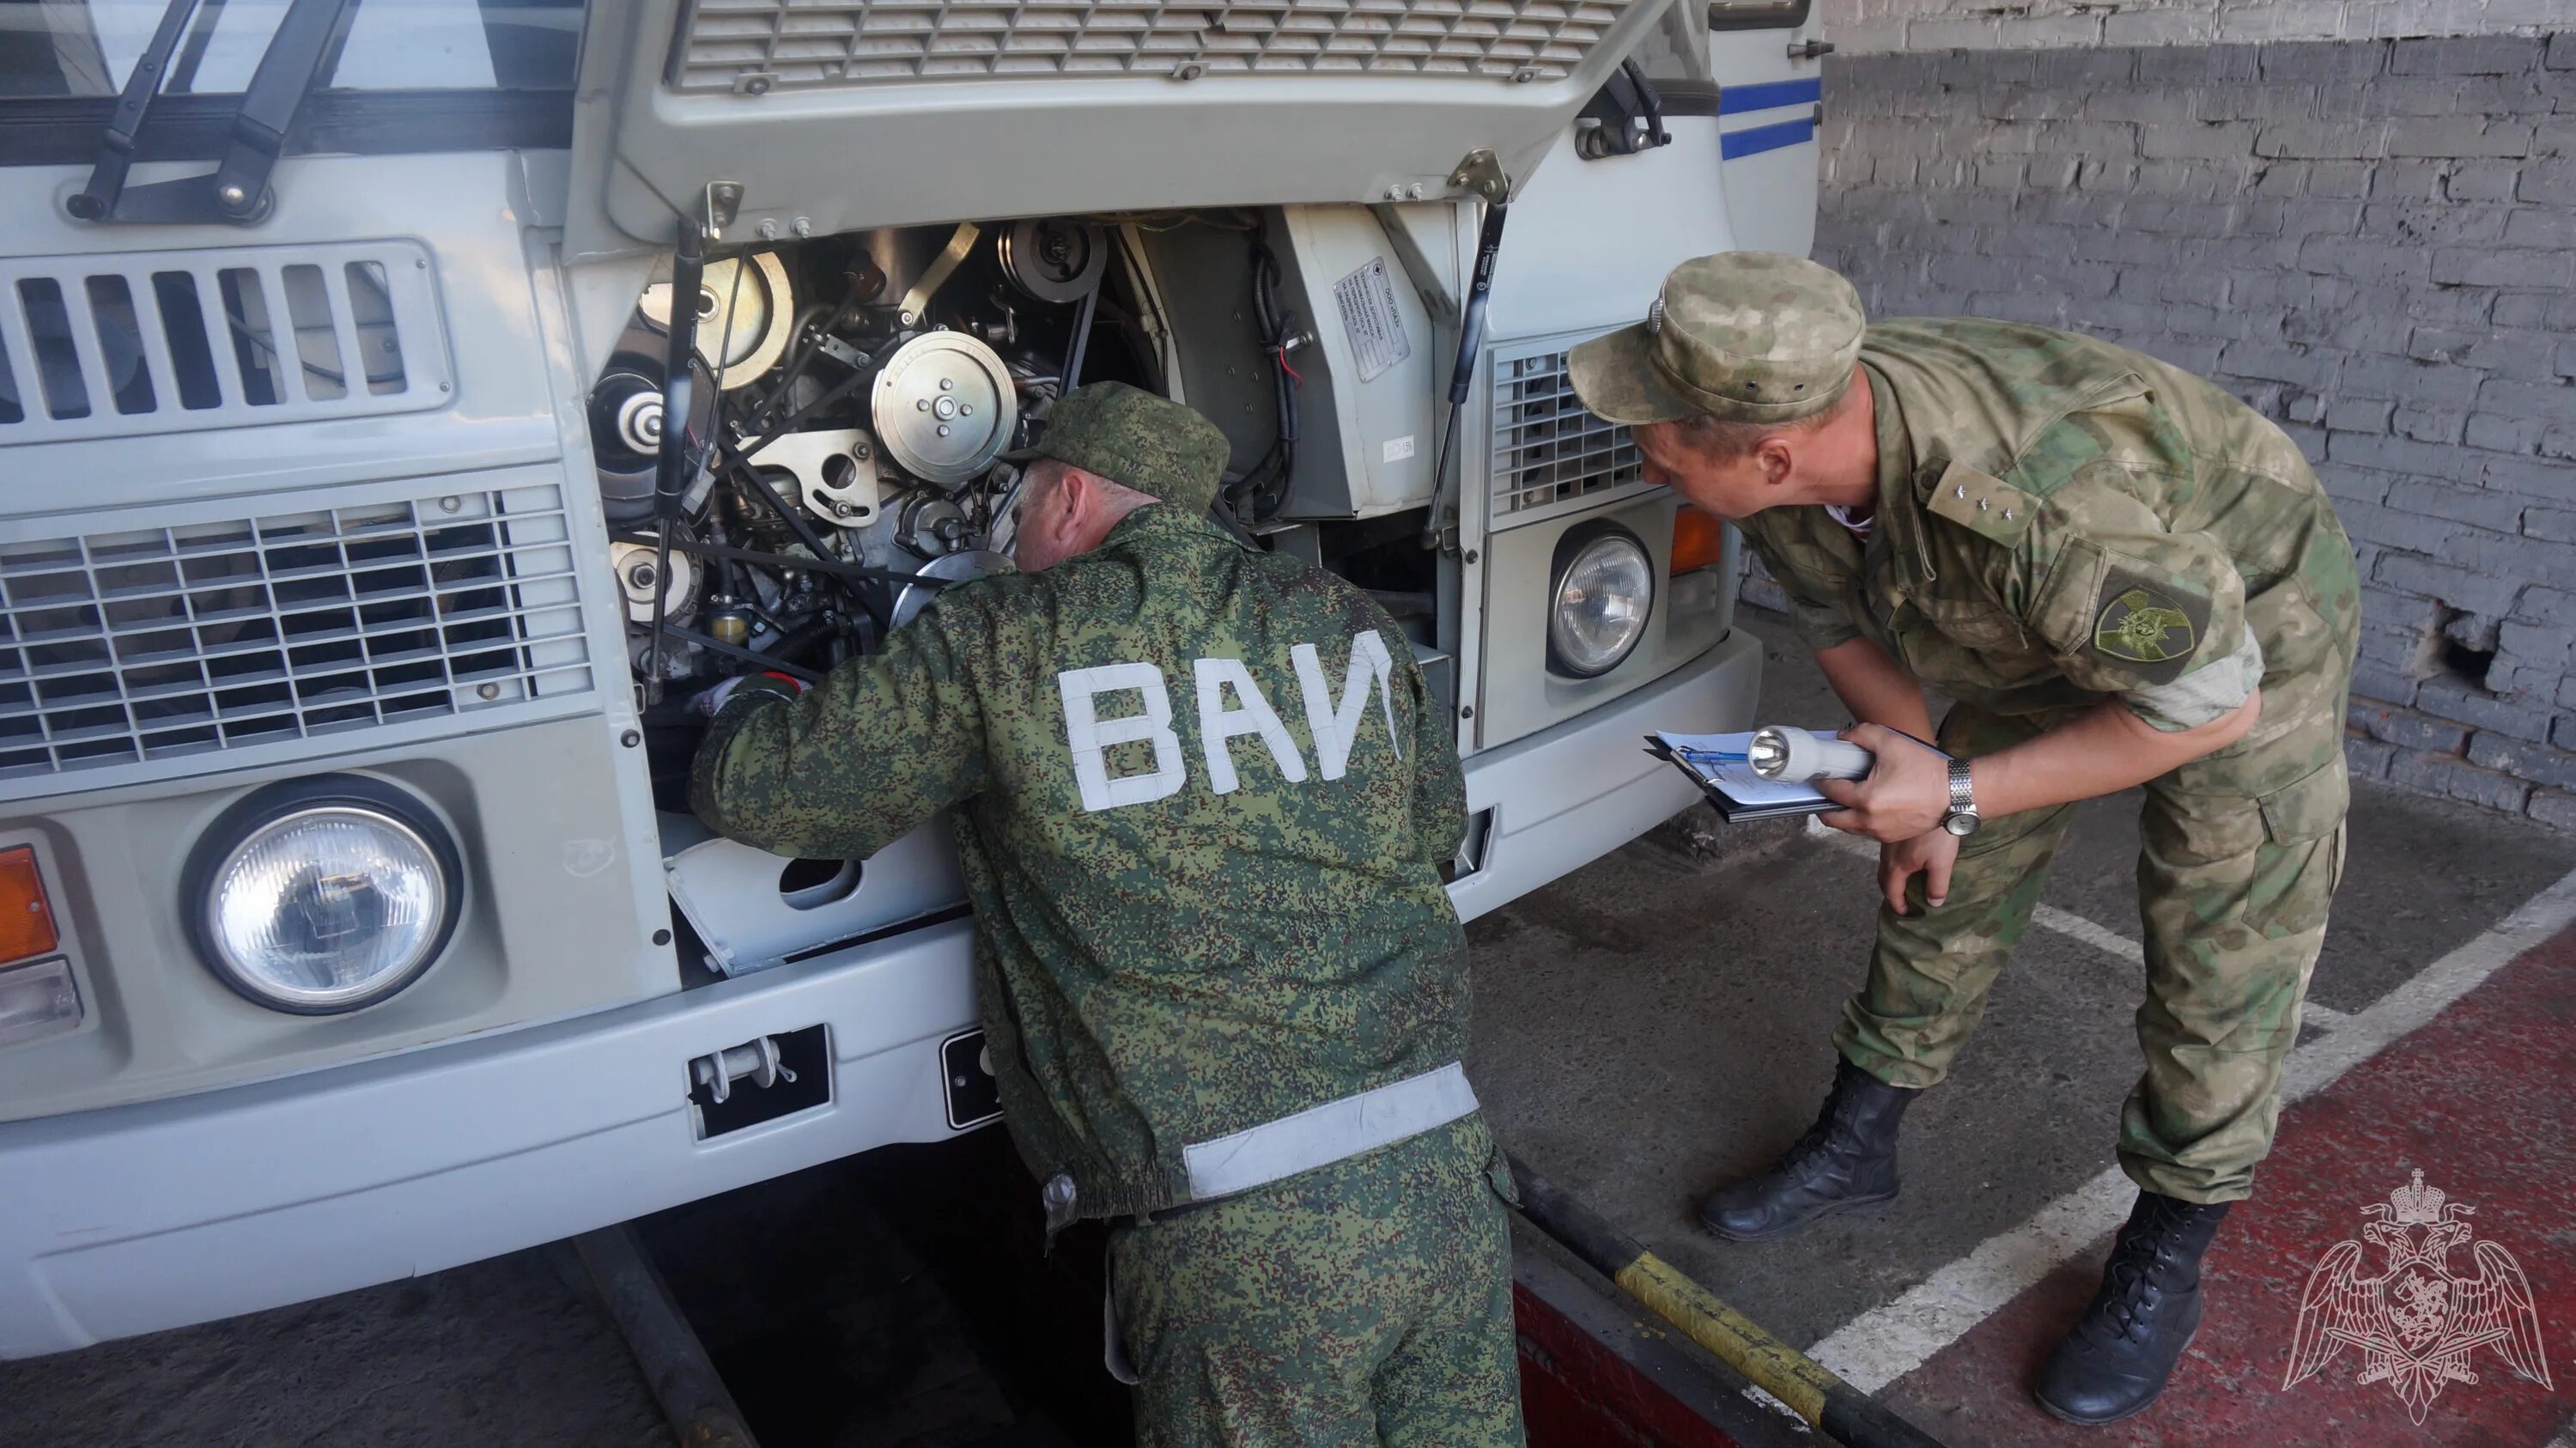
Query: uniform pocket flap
2309, 807
2061, 612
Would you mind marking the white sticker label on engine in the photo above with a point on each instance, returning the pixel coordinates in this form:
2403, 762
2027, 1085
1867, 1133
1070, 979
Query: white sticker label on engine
1397, 449
1369, 317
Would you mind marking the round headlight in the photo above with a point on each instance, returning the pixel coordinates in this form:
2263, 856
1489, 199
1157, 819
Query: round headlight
324, 895
1605, 588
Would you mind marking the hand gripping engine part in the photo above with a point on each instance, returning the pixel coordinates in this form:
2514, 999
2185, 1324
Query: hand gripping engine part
1794, 756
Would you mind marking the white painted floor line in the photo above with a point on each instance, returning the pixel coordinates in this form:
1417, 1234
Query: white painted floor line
2101, 937
1884, 1344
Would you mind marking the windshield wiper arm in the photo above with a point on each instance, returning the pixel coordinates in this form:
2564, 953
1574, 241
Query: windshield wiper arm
237, 190
97, 201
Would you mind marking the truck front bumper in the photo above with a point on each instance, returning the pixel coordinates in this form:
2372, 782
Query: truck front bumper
1566, 796
138, 1218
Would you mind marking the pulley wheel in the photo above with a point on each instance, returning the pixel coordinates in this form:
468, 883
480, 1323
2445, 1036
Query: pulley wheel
1052, 259
745, 311
626, 429
943, 407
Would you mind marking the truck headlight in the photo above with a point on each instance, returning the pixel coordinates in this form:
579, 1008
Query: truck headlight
1605, 589
323, 895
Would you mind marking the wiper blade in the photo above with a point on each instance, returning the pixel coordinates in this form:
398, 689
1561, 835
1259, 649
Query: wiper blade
237, 190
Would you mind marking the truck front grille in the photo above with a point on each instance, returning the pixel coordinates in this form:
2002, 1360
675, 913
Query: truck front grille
1547, 447
133, 647
758, 44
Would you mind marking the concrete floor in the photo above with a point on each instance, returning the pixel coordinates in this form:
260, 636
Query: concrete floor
1645, 1029
500, 1352
1654, 1025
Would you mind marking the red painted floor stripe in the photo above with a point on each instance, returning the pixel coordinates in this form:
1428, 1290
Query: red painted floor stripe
2483, 1101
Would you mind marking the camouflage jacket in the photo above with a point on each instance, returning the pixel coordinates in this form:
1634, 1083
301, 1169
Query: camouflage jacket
2061, 520
1203, 799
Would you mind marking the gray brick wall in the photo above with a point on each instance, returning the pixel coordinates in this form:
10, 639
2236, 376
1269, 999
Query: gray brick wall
1896, 25
2373, 242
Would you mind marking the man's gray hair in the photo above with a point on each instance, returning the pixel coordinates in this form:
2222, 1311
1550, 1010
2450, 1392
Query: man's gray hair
1119, 498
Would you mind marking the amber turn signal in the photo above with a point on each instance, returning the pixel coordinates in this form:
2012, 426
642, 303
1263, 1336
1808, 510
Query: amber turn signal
1699, 539
26, 921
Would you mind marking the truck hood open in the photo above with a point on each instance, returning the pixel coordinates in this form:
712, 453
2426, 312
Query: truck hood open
834, 115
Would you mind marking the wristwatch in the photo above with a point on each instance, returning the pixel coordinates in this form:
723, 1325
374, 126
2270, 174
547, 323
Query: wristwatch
1962, 820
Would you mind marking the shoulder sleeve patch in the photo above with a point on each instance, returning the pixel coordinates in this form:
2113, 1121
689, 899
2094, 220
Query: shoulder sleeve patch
1983, 504
2147, 625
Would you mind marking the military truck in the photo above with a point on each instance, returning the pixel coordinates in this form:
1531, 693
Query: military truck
408, 406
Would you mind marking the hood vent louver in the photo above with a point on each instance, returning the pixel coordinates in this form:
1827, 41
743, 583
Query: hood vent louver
149, 342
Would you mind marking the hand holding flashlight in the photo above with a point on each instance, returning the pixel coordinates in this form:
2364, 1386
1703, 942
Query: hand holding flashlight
1790, 755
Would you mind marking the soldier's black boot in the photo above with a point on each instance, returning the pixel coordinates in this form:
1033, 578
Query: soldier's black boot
2120, 1352
1846, 1160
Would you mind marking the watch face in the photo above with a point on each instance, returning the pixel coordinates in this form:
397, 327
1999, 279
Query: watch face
1960, 823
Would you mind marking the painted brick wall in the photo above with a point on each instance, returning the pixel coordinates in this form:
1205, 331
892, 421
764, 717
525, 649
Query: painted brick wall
2374, 242
1881, 26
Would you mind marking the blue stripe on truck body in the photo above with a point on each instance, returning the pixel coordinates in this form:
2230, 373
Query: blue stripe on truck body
1735, 100
1754, 140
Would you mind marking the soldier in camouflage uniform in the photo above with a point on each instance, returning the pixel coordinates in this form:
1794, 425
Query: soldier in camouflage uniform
1203, 798
2124, 577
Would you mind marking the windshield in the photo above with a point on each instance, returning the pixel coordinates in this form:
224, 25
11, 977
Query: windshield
86, 48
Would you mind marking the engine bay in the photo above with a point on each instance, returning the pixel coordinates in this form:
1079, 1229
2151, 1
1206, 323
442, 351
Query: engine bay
850, 400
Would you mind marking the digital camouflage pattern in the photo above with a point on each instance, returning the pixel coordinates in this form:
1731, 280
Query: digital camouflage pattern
1132, 437
1179, 967
1750, 336
1368, 1302
2062, 521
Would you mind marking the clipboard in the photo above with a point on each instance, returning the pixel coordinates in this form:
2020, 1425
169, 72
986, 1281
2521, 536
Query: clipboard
1716, 763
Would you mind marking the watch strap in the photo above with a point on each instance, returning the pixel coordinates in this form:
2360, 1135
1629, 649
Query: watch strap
1963, 796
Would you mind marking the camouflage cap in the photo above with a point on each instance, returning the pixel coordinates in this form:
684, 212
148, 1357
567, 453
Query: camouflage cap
1749, 336
1132, 437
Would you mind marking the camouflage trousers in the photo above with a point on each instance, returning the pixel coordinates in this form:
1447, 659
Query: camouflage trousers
2239, 857
1365, 1302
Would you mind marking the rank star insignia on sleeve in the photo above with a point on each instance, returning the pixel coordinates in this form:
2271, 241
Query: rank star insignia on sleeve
2144, 627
